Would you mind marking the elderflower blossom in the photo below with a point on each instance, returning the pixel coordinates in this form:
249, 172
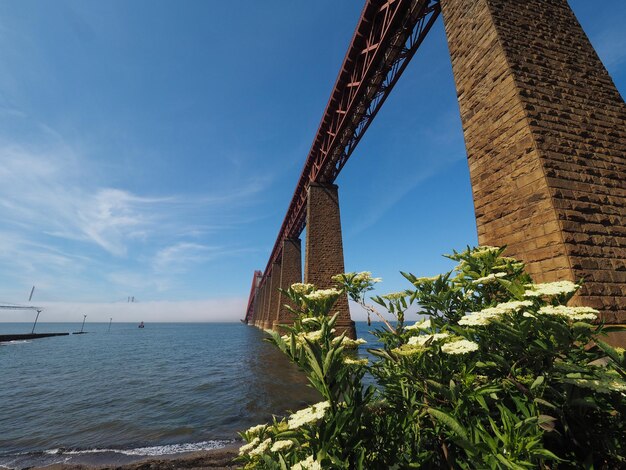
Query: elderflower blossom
323, 294
348, 343
482, 251
262, 447
312, 336
422, 280
395, 295
254, 430
420, 325
308, 415
366, 276
573, 313
423, 339
409, 350
357, 362
485, 316
489, 278
307, 464
462, 346
281, 445
477, 319
300, 288
244, 449
550, 288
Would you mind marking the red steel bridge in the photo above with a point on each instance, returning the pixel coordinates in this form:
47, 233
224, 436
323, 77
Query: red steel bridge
387, 36
544, 128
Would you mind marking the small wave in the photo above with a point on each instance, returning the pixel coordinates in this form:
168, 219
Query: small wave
169, 449
17, 341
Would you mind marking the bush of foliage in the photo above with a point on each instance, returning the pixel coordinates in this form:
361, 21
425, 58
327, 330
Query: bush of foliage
501, 373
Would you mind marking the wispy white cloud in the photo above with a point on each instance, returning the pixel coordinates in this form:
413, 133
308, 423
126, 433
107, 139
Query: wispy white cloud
178, 257
66, 226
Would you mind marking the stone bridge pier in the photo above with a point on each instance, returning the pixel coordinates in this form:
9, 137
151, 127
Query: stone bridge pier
323, 259
545, 132
324, 247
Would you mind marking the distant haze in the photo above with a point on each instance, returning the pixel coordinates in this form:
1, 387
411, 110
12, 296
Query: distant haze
213, 310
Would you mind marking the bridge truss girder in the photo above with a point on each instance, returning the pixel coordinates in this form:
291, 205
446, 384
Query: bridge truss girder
387, 36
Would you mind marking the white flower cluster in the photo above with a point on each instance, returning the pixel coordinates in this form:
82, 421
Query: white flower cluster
307, 464
421, 340
261, 448
312, 336
301, 288
409, 350
323, 294
356, 362
308, 415
348, 343
573, 313
516, 305
423, 280
481, 251
486, 248
281, 445
395, 295
485, 316
462, 346
366, 277
244, 449
489, 278
254, 430
420, 325
550, 288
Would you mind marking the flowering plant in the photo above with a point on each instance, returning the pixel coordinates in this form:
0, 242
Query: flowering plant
502, 373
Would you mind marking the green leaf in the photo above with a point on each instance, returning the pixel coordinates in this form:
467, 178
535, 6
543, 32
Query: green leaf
545, 453
538, 381
449, 421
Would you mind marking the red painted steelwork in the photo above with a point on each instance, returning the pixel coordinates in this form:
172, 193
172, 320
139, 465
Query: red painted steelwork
386, 38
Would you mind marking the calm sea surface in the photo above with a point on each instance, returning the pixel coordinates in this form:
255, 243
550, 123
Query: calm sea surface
114, 396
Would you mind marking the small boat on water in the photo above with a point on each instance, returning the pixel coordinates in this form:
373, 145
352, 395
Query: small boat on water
141, 325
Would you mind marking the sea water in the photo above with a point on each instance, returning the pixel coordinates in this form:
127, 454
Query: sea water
113, 396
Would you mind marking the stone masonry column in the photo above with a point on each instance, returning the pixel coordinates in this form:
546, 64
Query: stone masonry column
266, 302
324, 247
274, 296
545, 132
255, 306
290, 273
258, 309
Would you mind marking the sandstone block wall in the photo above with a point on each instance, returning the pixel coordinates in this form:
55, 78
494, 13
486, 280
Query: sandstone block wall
290, 273
324, 247
274, 296
545, 131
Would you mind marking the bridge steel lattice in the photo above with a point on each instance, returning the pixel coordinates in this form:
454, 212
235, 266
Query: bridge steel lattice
545, 131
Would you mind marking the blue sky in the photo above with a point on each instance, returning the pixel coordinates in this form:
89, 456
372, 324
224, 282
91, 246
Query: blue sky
150, 149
